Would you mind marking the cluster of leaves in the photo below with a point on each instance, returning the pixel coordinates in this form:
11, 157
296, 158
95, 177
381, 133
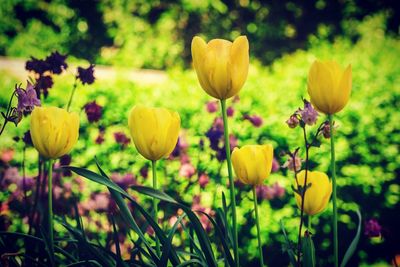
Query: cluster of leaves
158, 34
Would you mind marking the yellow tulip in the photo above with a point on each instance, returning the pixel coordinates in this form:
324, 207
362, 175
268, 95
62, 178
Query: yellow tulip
253, 163
329, 86
154, 131
54, 131
221, 65
317, 195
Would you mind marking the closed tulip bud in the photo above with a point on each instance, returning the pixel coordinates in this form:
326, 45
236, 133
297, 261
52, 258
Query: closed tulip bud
318, 193
154, 131
253, 163
329, 86
221, 65
54, 131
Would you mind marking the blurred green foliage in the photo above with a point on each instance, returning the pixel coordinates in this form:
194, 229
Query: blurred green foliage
368, 159
157, 34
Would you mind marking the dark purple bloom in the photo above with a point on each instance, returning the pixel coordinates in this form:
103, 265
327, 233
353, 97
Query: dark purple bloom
257, 121
124, 181
37, 65
230, 111
212, 106
121, 138
264, 192
372, 228
93, 111
99, 139
308, 115
215, 133
86, 76
65, 161
144, 171
27, 98
56, 62
43, 84
27, 138
326, 129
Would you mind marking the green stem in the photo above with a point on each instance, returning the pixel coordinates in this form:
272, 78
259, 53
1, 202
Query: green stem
309, 223
231, 183
333, 170
72, 93
155, 208
258, 227
50, 204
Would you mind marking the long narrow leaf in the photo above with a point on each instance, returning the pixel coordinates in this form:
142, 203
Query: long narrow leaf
167, 247
224, 242
352, 248
288, 246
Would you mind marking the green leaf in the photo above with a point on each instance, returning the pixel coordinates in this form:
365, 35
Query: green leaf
353, 245
191, 263
84, 263
202, 236
308, 250
288, 245
167, 247
224, 242
47, 241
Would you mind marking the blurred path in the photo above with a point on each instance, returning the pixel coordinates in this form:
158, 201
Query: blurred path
146, 77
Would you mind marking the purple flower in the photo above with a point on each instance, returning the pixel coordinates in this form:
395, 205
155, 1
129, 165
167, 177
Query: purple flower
212, 106
308, 115
93, 111
27, 98
43, 84
372, 228
326, 129
124, 181
37, 65
257, 121
99, 139
293, 121
264, 192
230, 111
121, 138
27, 138
215, 133
56, 62
144, 171
86, 76
65, 161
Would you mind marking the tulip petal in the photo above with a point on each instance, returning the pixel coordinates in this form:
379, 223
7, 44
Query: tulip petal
238, 64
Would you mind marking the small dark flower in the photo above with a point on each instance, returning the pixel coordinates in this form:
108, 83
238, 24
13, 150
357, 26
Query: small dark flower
275, 165
93, 111
100, 139
144, 171
43, 84
121, 138
56, 62
257, 121
27, 98
27, 138
37, 65
86, 76
326, 129
230, 111
309, 115
65, 161
293, 121
372, 228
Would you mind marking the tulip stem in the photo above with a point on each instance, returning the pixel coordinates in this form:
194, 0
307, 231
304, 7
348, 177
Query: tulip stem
333, 170
155, 208
231, 183
258, 227
50, 204
72, 93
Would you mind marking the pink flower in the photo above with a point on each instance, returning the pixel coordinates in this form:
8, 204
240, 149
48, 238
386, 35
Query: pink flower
275, 165
212, 106
7, 155
230, 111
187, 170
292, 163
293, 121
257, 121
203, 180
